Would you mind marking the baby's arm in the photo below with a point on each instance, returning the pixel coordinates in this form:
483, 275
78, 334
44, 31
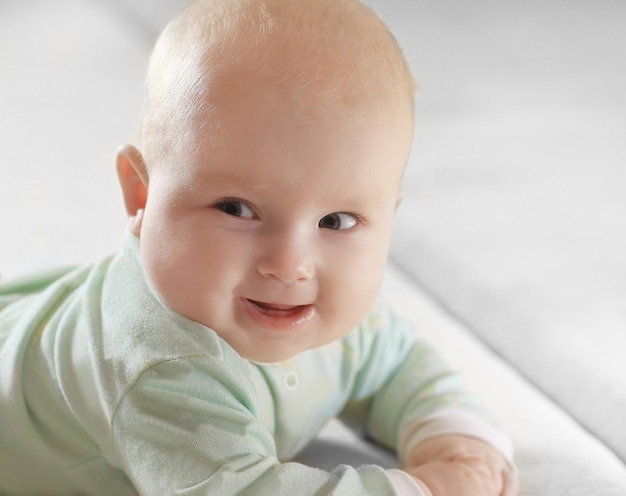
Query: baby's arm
443, 438
190, 426
451, 465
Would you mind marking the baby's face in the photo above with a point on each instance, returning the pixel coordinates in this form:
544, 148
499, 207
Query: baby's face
275, 231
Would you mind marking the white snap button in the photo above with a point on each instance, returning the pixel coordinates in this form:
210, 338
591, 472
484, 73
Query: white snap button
291, 381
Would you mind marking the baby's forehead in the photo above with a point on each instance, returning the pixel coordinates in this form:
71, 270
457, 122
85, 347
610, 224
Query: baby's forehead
304, 43
333, 51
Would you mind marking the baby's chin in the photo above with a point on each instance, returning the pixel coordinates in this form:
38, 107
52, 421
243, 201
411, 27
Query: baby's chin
268, 356
271, 354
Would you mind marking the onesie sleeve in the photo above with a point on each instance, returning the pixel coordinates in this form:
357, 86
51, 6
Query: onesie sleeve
190, 426
415, 395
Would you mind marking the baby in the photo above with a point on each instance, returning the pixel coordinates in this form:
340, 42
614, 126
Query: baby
242, 312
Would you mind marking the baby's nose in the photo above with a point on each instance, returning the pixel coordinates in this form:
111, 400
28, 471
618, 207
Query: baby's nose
287, 271
288, 260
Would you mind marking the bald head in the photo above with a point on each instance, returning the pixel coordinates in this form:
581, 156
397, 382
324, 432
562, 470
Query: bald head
321, 52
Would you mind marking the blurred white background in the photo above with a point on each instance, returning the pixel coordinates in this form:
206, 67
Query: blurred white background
514, 215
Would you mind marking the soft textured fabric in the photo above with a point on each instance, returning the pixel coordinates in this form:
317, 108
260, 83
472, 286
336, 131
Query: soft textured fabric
104, 390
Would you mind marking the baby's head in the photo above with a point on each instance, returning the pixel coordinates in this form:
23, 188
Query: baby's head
273, 142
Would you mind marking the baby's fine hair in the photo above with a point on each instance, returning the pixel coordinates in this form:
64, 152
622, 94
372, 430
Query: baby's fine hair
336, 52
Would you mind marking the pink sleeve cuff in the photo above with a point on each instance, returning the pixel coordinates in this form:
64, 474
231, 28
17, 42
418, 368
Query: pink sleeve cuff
453, 421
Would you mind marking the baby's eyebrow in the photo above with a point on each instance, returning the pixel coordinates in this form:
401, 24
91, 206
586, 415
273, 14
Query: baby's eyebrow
226, 178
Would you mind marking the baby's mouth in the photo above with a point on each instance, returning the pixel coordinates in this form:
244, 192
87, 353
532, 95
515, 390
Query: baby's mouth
279, 316
276, 308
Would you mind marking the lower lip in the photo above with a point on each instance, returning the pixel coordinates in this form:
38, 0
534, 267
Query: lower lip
279, 320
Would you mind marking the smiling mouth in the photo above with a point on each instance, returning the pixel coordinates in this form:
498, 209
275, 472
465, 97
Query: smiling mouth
279, 316
276, 308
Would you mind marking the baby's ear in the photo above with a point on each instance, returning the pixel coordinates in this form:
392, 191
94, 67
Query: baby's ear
133, 177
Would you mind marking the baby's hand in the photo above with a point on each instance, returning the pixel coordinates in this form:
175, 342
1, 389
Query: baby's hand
458, 465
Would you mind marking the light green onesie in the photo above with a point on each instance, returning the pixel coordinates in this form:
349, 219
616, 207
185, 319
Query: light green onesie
105, 390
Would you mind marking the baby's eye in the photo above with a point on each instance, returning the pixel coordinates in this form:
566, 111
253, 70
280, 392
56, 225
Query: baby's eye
236, 208
338, 221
